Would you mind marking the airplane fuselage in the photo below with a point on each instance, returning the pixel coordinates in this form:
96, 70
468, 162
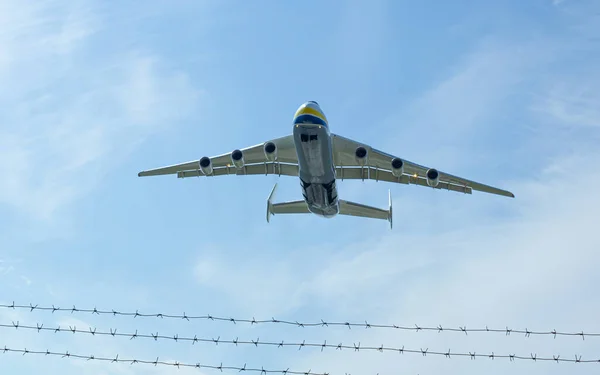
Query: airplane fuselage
316, 168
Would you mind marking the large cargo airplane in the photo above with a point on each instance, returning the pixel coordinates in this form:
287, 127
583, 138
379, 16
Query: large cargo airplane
319, 158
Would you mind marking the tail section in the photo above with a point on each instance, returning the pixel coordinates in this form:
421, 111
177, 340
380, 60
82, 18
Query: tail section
390, 216
361, 210
270, 202
346, 208
294, 207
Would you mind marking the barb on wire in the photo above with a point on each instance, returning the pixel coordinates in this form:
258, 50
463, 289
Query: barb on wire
299, 345
507, 331
156, 362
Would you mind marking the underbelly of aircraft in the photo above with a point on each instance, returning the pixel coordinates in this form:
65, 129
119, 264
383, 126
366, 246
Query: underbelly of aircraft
316, 170
327, 212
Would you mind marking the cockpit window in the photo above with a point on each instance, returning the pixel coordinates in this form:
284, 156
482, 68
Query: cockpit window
312, 101
306, 137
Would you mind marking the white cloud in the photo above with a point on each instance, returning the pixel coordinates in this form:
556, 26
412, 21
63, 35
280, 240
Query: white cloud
26, 280
571, 105
471, 105
257, 286
5, 269
74, 114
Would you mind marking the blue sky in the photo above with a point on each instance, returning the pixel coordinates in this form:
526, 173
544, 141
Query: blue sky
504, 93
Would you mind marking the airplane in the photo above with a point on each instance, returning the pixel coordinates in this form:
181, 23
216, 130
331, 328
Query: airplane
319, 158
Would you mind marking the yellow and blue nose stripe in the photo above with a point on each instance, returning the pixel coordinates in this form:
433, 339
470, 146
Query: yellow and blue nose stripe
307, 114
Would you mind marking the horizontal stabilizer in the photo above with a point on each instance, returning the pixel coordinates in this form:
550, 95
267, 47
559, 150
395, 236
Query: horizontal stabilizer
356, 209
293, 207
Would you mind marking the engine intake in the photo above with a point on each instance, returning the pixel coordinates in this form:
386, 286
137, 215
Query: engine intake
206, 165
237, 158
270, 151
433, 177
361, 155
397, 167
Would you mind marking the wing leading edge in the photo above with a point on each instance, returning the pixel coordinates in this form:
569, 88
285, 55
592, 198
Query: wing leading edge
257, 159
353, 160
356, 160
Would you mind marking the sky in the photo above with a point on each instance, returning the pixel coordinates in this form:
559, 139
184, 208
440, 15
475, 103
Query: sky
504, 93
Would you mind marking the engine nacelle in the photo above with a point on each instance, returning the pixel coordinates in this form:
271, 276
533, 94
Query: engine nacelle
206, 165
397, 167
270, 151
361, 155
433, 177
237, 158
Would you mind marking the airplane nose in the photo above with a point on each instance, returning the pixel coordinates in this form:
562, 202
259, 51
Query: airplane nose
310, 112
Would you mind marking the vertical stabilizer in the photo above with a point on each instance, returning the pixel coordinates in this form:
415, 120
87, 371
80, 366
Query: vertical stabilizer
270, 202
390, 218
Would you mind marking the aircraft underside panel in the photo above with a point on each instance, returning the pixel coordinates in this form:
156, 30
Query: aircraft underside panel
293, 207
316, 170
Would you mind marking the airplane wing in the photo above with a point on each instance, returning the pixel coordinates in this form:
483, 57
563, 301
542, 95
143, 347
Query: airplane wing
356, 160
276, 156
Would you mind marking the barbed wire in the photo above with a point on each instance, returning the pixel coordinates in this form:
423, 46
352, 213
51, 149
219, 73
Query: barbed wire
526, 332
301, 345
156, 362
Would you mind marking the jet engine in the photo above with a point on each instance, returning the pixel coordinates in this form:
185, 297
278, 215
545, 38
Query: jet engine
361, 155
206, 165
433, 177
237, 158
397, 167
270, 151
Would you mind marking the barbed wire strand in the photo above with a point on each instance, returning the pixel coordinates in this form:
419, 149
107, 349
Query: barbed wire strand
177, 364
301, 345
323, 323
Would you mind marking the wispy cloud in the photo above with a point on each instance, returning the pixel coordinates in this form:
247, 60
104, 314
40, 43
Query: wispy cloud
572, 103
78, 96
74, 115
466, 108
